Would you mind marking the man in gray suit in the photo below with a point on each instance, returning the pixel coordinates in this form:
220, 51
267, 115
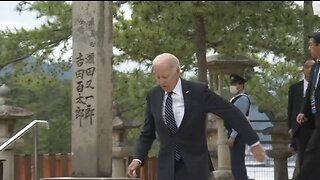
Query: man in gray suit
176, 112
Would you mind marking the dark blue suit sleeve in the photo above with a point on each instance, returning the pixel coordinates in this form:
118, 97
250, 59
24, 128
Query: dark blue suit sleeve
147, 135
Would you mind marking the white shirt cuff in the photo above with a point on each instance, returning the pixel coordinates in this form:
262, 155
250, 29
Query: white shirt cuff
234, 134
140, 162
255, 144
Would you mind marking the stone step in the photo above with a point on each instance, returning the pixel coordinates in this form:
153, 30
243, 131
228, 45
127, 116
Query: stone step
89, 178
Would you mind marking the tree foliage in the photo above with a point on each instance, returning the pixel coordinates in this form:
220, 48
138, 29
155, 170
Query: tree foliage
257, 29
188, 29
49, 99
18, 44
230, 27
270, 85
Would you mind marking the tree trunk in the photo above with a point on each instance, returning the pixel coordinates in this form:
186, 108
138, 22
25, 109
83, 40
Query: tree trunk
200, 38
307, 27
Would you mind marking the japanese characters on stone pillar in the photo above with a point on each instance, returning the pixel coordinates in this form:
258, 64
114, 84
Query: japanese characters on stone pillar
92, 88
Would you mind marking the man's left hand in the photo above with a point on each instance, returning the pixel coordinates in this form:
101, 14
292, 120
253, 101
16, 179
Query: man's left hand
231, 141
258, 153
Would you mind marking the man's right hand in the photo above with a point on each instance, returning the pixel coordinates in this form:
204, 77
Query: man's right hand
133, 166
300, 118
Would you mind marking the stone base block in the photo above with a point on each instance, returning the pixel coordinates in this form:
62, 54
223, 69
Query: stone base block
223, 175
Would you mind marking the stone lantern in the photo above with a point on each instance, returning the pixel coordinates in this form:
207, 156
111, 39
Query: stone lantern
120, 149
8, 117
280, 151
220, 67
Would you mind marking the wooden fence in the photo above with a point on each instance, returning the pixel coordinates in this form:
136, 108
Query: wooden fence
60, 165
49, 165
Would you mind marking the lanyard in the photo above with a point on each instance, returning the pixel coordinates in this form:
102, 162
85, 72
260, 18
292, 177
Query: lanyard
313, 90
316, 77
315, 86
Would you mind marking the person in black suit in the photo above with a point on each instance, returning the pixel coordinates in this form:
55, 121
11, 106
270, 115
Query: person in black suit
311, 112
183, 153
300, 133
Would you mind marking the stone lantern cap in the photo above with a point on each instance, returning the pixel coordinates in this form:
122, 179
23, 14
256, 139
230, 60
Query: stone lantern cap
120, 122
10, 112
231, 64
280, 123
222, 59
124, 123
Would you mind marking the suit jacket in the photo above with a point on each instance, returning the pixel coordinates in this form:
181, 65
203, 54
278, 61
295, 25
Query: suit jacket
191, 135
301, 133
295, 102
311, 163
306, 107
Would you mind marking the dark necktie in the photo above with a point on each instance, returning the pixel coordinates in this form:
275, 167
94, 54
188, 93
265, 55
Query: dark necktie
314, 87
171, 123
316, 76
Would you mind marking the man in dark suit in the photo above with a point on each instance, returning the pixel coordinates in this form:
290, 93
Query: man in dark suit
311, 112
300, 133
183, 153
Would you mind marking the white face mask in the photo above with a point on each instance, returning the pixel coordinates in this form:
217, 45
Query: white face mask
233, 89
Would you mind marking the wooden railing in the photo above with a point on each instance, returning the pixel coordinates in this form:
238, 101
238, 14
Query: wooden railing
49, 165
60, 165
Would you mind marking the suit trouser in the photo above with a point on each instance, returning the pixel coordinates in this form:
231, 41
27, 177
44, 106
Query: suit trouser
310, 167
238, 165
311, 162
302, 142
180, 168
301, 145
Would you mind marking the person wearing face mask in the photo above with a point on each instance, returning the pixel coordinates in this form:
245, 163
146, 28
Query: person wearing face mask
237, 146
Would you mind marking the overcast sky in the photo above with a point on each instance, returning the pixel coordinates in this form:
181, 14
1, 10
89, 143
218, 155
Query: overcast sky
10, 18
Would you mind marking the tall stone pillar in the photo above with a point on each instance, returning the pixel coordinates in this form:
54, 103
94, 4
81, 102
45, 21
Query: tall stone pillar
223, 171
92, 88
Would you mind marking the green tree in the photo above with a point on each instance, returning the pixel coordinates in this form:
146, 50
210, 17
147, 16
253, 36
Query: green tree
189, 29
186, 29
307, 26
270, 85
18, 44
49, 99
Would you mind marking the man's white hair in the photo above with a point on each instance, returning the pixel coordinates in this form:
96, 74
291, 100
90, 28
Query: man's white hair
166, 57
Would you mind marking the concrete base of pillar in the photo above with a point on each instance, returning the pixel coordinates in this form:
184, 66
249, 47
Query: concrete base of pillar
119, 163
223, 175
8, 164
118, 167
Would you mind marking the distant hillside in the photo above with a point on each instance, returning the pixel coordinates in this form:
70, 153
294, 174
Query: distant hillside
46, 67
